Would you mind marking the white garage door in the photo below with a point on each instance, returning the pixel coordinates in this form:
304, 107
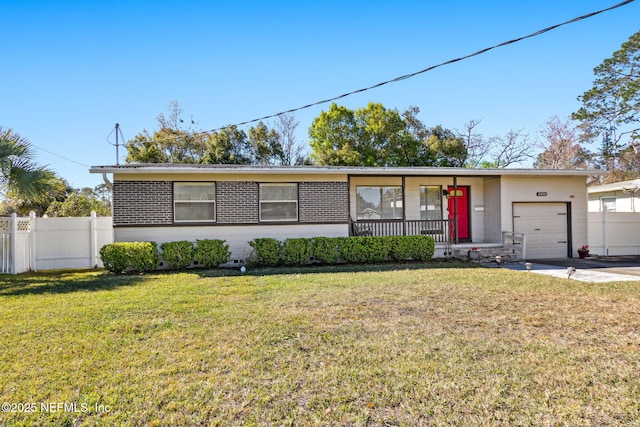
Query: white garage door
545, 227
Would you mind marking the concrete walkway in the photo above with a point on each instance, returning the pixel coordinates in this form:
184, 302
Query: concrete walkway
603, 269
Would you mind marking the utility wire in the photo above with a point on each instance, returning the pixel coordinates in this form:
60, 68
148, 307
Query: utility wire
408, 76
58, 155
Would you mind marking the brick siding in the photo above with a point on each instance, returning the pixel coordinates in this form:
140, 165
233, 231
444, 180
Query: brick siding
151, 202
237, 202
323, 201
142, 202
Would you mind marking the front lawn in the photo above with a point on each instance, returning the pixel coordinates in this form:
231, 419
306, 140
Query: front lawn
402, 346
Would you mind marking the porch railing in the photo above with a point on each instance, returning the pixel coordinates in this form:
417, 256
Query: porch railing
436, 228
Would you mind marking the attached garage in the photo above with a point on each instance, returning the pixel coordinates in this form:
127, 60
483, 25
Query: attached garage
546, 226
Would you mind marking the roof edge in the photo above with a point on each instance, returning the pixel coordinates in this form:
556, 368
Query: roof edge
332, 170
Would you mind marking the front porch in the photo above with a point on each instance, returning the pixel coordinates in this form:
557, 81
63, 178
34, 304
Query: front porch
510, 248
438, 229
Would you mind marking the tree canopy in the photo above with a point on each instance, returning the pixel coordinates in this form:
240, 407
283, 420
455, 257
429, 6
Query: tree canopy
173, 142
611, 108
81, 202
20, 176
560, 147
377, 136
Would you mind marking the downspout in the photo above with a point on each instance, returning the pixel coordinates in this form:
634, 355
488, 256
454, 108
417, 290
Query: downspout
107, 182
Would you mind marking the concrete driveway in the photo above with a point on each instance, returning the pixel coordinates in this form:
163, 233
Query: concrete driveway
593, 269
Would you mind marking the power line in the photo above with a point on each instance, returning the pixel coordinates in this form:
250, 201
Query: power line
408, 76
58, 155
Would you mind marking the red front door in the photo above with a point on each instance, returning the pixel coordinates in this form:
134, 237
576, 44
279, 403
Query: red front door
459, 197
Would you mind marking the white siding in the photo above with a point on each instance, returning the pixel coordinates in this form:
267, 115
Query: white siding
237, 236
412, 196
625, 202
558, 189
545, 227
492, 229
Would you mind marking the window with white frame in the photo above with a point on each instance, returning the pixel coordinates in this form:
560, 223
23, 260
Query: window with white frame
608, 204
194, 201
379, 202
278, 202
430, 202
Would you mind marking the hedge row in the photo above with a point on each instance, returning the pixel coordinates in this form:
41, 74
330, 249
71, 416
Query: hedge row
145, 257
335, 250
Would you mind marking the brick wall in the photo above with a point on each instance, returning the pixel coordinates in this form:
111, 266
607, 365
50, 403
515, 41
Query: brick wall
142, 202
237, 202
323, 201
151, 202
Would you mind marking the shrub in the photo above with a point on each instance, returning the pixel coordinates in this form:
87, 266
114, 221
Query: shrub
143, 256
178, 255
423, 247
327, 249
297, 251
268, 251
210, 253
114, 257
367, 249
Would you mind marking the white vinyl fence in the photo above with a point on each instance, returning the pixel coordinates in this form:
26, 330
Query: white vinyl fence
614, 233
29, 244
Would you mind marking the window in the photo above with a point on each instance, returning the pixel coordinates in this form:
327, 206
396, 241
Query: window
278, 202
379, 202
608, 204
430, 202
194, 201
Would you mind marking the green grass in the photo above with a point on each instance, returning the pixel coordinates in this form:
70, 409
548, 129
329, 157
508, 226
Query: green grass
396, 345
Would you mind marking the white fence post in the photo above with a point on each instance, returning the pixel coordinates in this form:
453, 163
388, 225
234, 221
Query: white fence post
93, 236
13, 242
32, 240
5, 229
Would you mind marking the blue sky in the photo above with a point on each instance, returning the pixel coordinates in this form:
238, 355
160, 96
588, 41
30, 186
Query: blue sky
72, 69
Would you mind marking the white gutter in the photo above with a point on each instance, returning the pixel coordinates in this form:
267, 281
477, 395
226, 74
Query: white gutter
334, 170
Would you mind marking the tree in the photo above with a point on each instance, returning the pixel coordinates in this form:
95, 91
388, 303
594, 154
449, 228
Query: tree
171, 143
434, 146
266, 148
611, 107
561, 148
58, 189
476, 145
227, 146
504, 151
81, 202
20, 176
628, 166
377, 136
292, 152
334, 139
446, 148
